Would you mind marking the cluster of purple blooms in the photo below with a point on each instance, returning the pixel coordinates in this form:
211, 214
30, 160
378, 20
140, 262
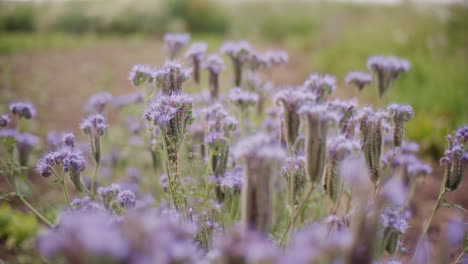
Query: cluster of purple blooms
255, 193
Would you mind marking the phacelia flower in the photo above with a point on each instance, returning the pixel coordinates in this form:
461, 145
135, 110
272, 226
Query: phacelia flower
69, 140
291, 99
386, 69
4, 120
242, 99
276, 57
455, 161
170, 77
321, 84
317, 119
94, 124
141, 74
196, 53
239, 53
175, 42
400, 114
127, 99
97, 102
214, 64
22, 109
126, 199
259, 155
358, 79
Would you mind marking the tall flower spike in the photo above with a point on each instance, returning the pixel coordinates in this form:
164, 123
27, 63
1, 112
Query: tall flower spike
291, 99
22, 109
455, 160
239, 53
358, 79
339, 149
171, 76
219, 127
214, 64
294, 173
371, 140
387, 69
259, 155
317, 118
321, 84
400, 114
175, 42
196, 53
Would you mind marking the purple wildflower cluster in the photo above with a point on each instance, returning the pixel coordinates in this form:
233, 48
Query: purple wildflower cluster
23, 109
295, 177
387, 69
175, 42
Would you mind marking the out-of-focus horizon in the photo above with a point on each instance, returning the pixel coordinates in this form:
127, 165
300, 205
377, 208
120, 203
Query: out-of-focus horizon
48, 48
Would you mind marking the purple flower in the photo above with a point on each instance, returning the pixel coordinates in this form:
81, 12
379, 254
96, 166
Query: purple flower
242, 99
392, 218
85, 204
231, 180
462, 135
239, 53
90, 235
126, 199
196, 53
167, 107
23, 109
321, 84
214, 63
94, 124
174, 42
387, 69
97, 102
170, 77
276, 57
140, 74
69, 139
359, 79
109, 193
24, 143
4, 120
7, 133
133, 173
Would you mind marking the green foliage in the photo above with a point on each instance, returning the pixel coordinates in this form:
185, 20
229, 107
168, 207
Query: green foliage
21, 17
16, 227
199, 15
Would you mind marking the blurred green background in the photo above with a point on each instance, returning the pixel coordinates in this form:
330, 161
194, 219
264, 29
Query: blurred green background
51, 50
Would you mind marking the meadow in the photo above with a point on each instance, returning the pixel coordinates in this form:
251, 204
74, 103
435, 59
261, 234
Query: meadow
144, 140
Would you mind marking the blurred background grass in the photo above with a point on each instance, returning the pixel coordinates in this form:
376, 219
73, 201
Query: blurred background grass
49, 50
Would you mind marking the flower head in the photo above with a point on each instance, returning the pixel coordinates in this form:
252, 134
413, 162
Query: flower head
359, 79
23, 109
97, 102
321, 84
174, 42
387, 69
4, 120
94, 124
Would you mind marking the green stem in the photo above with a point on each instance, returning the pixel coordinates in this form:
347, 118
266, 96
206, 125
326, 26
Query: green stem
93, 180
434, 211
298, 212
39, 215
65, 191
458, 259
